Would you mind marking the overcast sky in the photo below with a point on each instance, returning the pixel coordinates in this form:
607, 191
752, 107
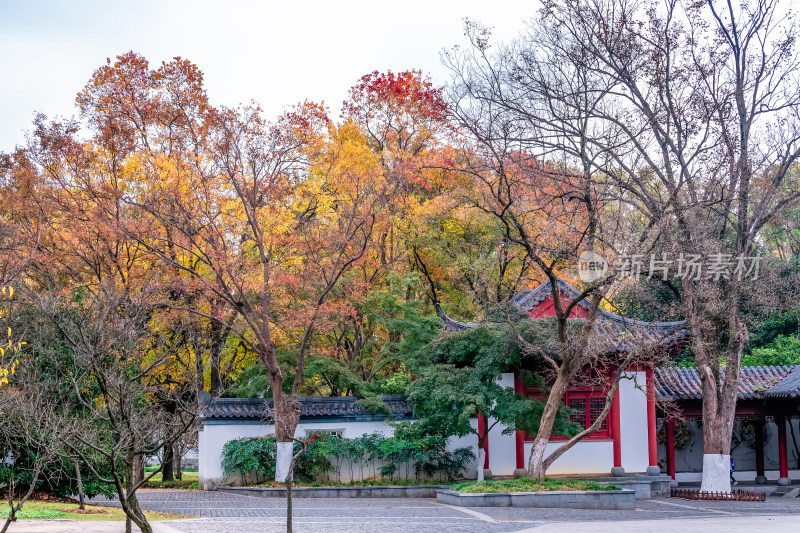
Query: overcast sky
274, 53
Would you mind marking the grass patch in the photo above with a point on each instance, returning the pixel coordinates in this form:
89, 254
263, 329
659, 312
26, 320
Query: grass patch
153, 468
60, 510
525, 484
189, 481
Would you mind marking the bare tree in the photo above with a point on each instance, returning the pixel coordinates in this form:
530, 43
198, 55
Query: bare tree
686, 114
538, 180
33, 429
115, 354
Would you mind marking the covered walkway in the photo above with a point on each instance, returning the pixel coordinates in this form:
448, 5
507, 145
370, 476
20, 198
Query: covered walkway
766, 436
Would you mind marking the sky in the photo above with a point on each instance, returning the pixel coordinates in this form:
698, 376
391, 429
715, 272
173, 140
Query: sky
273, 53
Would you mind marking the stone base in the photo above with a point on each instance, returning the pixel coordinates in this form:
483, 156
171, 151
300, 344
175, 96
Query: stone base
520, 472
487, 474
784, 481
761, 480
618, 471
653, 470
611, 499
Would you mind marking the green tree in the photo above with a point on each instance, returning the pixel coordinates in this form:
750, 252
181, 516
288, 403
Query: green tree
457, 380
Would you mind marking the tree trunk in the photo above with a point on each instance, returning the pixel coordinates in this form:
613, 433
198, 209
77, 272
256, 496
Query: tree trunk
481, 459
129, 501
289, 504
138, 469
536, 459
718, 418
536, 468
720, 391
283, 461
179, 466
217, 333
199, 370
167, 470
285, 415
80, 484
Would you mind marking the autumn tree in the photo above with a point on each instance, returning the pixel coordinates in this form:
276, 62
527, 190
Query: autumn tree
263, 219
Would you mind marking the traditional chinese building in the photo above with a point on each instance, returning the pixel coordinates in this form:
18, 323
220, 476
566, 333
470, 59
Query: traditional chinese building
628, 439
766, 434
637, 436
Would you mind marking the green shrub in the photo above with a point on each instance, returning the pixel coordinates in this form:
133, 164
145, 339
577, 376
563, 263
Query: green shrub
402, 455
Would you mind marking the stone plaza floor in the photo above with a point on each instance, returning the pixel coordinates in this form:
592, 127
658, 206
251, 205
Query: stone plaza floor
219, 512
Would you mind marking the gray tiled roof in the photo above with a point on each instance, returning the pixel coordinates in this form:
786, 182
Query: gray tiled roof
789, 387
755, 382
621, 333
310, 407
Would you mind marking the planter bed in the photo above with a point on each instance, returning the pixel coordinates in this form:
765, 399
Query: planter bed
589, 499
401, 491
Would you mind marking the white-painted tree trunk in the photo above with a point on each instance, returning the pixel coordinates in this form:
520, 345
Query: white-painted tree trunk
283, 461
481, 459
716, 473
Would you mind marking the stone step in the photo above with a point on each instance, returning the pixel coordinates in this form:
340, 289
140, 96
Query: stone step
792, 493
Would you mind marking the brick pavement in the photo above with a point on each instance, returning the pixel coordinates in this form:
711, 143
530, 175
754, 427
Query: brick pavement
229, 513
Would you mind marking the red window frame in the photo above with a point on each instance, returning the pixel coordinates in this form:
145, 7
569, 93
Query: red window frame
573, 398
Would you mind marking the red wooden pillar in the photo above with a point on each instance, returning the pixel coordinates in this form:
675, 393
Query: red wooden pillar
615, 429
652, 442
519, 435
759, 426
671, 447
784, 465
483, 423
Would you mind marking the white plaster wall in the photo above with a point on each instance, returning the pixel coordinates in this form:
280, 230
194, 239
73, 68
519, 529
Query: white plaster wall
211, 440
633, 422
213, 436
586, 457
470, 441
502, 448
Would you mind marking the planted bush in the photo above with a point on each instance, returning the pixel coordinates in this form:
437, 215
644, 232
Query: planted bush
402, 456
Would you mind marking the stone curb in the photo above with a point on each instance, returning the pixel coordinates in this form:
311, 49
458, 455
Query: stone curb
594, 499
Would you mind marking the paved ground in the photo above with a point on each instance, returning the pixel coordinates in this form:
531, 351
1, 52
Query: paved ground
229, 513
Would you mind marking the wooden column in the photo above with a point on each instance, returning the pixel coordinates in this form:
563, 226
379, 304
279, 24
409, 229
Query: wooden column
615, 429
519, 435
759, 429
671, 447
784, 464
652, 442
483, 424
